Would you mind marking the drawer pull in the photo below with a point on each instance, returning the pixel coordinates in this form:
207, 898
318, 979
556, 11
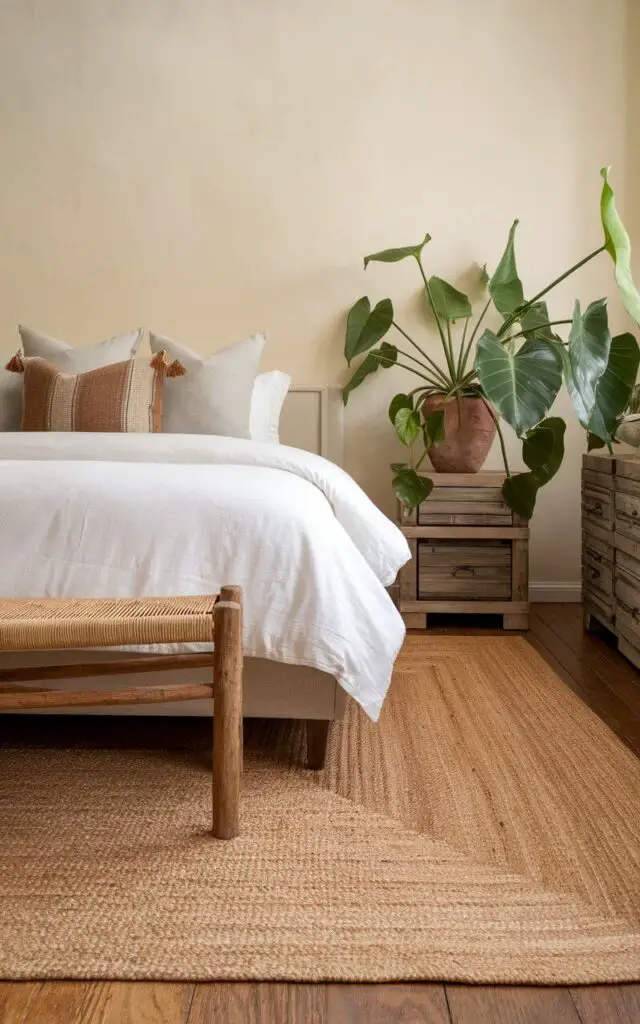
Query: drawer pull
595, 509
464, 570
594, 574
594, 556
633, 612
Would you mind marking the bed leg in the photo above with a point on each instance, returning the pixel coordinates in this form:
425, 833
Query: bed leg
227, 721
317, 742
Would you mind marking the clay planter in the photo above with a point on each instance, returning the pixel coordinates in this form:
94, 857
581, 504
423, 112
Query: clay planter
469, 432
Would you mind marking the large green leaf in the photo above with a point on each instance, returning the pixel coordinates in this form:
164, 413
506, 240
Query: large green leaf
534, 322
394, 255
450, 304
505, 287
408, 425
618, 246
542, 451
384, 357
365, 331
411, 488
433, 429
521, 386
587, 356
615, 387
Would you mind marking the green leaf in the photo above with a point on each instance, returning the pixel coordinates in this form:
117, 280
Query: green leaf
399, 402
615, 387
587, 356
618, 246
365, 332
520, 491
594, 442
410, 488
433, 429
407, 424
387, 354
394, 255
366, 368
450, 304
521, 386
505, 287
398, 467
534, 322
543, 448
542, 451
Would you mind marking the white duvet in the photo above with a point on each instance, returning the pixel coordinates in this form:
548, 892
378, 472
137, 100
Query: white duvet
93, 515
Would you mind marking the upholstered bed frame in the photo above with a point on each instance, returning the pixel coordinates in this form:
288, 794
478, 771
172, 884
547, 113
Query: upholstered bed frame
312, 420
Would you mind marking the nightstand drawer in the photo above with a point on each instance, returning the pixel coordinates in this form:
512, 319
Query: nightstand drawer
464, 506
597, 506
478, 571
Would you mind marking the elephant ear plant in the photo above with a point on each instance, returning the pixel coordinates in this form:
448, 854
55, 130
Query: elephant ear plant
516, 369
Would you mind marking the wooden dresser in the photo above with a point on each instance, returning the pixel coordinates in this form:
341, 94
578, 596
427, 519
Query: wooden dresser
611, 547
469, 552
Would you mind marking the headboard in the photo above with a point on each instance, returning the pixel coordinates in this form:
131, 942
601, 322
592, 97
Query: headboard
312, 418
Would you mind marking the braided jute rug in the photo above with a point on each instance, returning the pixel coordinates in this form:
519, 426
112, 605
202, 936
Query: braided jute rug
487, 830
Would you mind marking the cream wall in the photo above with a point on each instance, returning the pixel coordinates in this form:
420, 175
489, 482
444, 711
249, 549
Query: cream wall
209, 169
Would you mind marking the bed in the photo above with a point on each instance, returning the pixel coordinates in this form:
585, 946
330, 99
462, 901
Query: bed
100, 515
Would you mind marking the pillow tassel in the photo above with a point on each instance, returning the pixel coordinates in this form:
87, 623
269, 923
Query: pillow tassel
176, 369
15, 364
160, 361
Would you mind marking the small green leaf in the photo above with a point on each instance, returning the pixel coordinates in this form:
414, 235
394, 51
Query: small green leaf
366, 368
394, 255
534, 322
356, 320
594, 442
362, 334
388, 354
399, 402
615, 388
505, 287
410, 488
522, 385
450, 304
398, 467
433, 429
618, 246
520, 491
407, 424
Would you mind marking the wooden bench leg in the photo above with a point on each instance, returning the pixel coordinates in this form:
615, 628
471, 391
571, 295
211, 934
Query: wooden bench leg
317, 741
227, 722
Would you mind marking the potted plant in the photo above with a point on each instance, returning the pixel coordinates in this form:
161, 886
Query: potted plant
511, 374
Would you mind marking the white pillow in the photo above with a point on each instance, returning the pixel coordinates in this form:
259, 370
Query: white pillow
269, 392
214, 396
64, 357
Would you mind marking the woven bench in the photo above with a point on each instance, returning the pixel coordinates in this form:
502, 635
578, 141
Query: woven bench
41, 625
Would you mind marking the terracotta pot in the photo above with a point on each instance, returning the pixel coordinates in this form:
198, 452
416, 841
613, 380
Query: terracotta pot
469, 432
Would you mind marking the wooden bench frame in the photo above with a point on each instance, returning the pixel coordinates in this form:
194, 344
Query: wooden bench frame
225, 688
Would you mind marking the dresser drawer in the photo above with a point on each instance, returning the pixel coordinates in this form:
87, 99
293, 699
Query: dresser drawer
476, 571
627, 520
600, 606
597, 506
597, 573
464, 506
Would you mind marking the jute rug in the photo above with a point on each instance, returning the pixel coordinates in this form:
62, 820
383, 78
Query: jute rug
487, 830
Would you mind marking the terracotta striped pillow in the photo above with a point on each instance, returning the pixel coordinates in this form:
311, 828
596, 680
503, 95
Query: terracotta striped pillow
122, 397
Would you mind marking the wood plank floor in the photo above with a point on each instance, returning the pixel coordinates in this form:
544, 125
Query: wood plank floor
594, 670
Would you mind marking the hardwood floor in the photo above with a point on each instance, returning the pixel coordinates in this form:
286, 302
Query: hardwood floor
594, 670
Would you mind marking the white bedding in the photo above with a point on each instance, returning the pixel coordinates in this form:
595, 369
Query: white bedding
91, 515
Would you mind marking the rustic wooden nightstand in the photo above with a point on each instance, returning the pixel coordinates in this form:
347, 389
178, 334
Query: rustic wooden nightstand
470, 553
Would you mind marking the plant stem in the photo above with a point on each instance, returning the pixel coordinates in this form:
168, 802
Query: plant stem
496, 420
447, 354
432, 363
518, 312
539, 327
473, 335
433, 380
460, 367
384, 359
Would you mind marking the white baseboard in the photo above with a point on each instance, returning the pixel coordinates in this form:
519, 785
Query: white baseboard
557, 592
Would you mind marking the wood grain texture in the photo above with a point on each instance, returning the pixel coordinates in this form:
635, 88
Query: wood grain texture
227, 723
34, 699
142, 663
387, 1004
247, 1003
524, 1005
65, 1002
16, 999
608, 1004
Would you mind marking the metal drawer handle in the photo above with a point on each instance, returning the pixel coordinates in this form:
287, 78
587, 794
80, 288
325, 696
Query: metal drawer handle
596, 508
594, 574
633, 612
594, 556
461, 570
